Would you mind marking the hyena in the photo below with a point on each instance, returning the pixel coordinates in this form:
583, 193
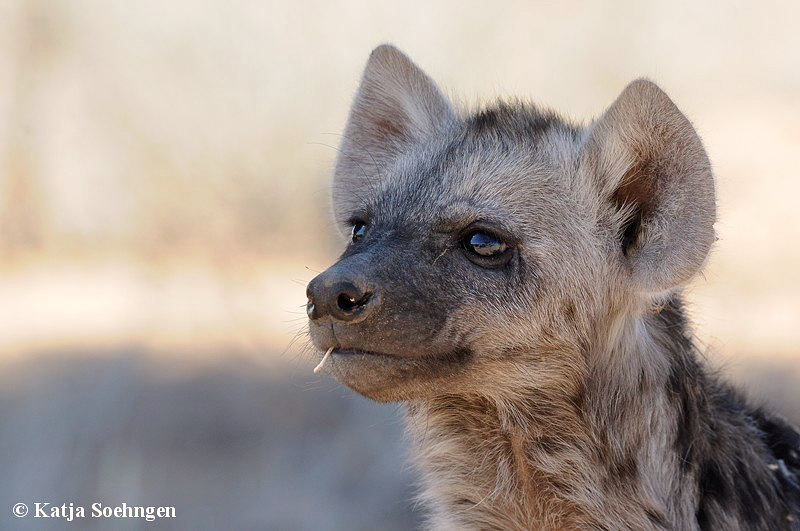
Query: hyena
515, 279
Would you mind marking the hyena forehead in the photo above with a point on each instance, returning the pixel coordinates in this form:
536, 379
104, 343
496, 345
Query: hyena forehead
641, 174
499, 163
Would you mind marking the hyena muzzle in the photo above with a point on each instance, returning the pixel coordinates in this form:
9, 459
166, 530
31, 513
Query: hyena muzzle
515, 279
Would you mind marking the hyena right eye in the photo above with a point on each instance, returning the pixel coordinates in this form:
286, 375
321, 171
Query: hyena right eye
484, 244
486, 249
358, 230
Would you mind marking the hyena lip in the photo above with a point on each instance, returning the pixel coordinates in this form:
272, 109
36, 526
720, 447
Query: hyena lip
341, 352
338, 351
344, 353
386, 377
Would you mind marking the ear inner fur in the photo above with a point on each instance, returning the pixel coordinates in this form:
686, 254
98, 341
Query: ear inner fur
396, 106
651, 164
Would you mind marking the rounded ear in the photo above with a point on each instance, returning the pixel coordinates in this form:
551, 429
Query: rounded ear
396, 104
654, 174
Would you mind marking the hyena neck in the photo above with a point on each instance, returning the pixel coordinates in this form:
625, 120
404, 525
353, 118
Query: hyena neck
631, 449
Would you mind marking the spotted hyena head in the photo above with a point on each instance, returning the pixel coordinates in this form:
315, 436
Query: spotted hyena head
504, 244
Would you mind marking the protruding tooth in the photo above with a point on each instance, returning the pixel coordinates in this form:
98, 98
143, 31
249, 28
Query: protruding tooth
322, 362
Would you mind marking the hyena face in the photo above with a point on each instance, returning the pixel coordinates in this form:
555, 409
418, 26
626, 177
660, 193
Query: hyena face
481, 244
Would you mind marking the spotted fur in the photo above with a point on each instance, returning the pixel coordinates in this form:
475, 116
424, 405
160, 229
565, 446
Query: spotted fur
557, 386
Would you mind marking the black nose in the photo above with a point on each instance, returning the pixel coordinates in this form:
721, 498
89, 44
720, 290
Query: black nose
344, 298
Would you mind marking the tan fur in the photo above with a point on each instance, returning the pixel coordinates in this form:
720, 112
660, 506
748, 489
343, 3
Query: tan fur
543, 460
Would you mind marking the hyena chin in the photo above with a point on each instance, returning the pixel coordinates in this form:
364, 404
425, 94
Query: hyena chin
515, 279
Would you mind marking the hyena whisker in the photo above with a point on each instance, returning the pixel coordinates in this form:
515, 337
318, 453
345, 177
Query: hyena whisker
375, 162
339, 151
440, 255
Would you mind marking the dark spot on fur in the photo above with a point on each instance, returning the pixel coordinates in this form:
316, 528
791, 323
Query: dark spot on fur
656, 517
702, 517
549, 445
713, 484
643, 383
485, 120
512, 124
570, 312
783, 442
578, 398
685, 427
623, 471
686, 379
562, 485
751, 501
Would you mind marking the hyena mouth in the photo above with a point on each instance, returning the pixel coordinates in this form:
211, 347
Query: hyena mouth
386, 377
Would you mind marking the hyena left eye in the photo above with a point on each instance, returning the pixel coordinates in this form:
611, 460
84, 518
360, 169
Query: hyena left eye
358, 230
484, 244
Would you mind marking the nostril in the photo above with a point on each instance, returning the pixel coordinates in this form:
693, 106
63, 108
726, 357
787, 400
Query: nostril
348, 303
345, 302
339, 299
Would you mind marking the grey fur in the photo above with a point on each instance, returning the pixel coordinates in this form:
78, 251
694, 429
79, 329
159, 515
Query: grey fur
554, 387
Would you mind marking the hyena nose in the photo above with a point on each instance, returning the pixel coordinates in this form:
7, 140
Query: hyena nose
343, 300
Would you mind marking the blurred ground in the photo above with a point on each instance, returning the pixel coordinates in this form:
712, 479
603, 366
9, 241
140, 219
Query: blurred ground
163, 202
233, 447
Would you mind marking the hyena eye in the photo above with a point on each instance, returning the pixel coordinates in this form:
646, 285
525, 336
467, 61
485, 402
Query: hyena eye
358, 230
484, 244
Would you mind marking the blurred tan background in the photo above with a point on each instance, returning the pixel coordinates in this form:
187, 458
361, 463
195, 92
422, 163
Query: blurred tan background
164, 200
